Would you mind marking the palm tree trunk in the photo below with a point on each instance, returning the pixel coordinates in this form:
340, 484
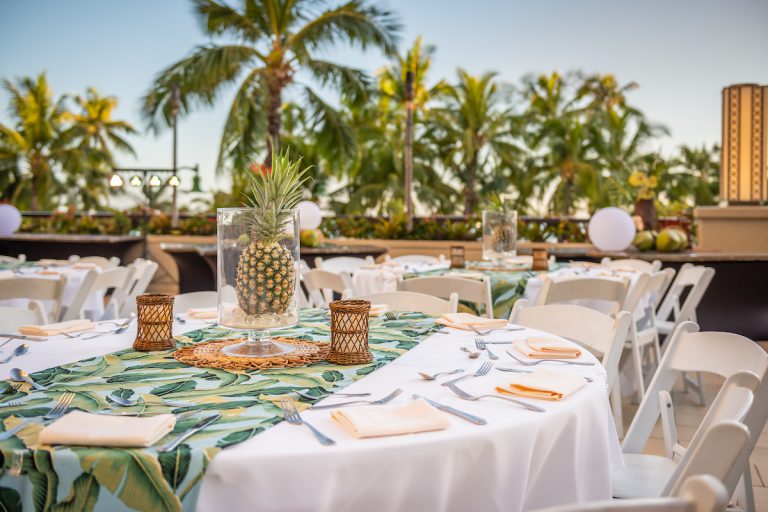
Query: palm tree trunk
273, 123
469, 191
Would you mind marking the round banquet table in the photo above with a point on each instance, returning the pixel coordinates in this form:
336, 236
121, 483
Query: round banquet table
93, 305
520, 460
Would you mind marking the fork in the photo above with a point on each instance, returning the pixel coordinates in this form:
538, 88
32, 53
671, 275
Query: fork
483, 370
380, 401
488, 331
564, 361
325, 395
466, 396
13, 389
57, 411
480, 344
390, 316
291, 415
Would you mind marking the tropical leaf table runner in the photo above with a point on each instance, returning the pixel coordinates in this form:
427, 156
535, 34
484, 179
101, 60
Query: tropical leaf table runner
36, 477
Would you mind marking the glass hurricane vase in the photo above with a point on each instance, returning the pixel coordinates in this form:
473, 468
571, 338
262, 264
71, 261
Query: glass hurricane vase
499, 237
257, 278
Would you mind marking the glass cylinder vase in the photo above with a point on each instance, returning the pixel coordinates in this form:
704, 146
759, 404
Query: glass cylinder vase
258, 269
499, 237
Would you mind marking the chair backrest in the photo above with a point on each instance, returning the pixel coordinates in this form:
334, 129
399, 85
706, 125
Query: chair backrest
604, 292
695, 277
636, 292
701, 493
117, 278
688, 350
413, 301
633, 263
342, 263
415, 259
37, 289
13, 318
184, 301
602, 334
470, 290
321, 284
144, 271
658, 284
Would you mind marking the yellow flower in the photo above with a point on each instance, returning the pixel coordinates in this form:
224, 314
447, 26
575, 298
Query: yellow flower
653, 182
637, 179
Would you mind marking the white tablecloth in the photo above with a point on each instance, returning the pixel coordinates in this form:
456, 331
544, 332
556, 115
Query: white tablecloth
384, 277
520, 460
93, 305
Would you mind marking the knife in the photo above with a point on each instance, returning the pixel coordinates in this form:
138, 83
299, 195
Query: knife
23, 337
200, 425
450, 410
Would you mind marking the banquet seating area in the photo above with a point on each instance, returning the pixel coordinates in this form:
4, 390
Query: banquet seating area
639, 404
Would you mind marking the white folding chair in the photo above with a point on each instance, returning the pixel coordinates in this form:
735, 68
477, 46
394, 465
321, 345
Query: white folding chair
633, 263
342, 263
413, 301
101, 261
469, 290
144, 271
644, 334
321, 284
603, 335
37, 289
184, 301
416, 259
603, 294
13, 318
693, 279
701, 493
723, 354
117, 279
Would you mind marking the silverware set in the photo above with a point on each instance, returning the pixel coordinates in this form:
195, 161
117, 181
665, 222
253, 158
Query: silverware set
483, 370
292, 416
194, 429
480, 344
466, 396
489, 331
540, 361
56, 412
89, 335
380, 401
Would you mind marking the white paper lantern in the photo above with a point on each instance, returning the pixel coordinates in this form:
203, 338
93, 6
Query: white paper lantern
611, 229
10, 219
310, 215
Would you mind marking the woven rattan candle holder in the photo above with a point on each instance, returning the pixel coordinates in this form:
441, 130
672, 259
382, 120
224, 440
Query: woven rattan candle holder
155, 322
349, 332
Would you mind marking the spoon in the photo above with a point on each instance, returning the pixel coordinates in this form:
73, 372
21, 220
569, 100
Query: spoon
18, 351
427, 376
130, 402
20, 375
472, 355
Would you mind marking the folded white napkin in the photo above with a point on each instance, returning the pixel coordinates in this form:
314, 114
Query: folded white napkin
378, 309
464, 320
543, 385
85, 429
546, 348
389, 420
57, 328
203, 313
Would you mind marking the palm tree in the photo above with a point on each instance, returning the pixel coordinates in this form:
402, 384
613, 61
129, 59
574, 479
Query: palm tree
95, 135
474, 132
30, 147
696, 176
274, 40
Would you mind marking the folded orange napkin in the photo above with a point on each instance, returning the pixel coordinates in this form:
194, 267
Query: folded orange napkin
57, 328
49, 272
389, 420
464, 320
546, 348
543, 385
378, 309
203, 313
85, 429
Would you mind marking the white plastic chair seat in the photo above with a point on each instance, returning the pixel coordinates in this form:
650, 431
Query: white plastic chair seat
643, 476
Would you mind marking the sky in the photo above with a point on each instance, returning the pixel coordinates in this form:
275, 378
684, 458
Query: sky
680, 52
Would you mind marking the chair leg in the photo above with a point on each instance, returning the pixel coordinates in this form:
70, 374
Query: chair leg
637, 358
700, 388
618, 417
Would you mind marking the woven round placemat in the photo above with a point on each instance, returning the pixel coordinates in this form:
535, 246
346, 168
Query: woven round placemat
209, 355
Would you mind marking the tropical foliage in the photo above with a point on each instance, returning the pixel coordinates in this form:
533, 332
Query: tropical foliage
58, 149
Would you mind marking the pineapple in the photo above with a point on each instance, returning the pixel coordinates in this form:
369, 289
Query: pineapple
502, 236
265, 279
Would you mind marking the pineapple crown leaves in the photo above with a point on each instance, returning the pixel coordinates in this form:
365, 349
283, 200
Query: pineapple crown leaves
497, 203
274, 193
